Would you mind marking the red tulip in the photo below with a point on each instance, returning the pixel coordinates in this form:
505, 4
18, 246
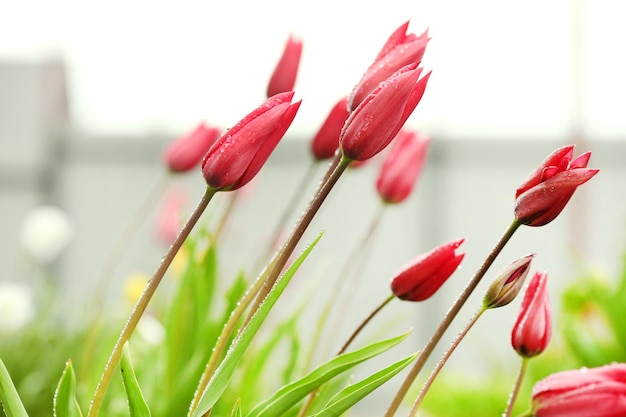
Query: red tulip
597, 392
541, 198
284, 77
186, 152
237, 156
425, 274
402, 166
326, 141
533, 327
400, 50
379, 118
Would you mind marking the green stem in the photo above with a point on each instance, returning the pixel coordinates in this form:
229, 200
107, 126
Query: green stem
343, 349
226, 333
142, 304
516, 387
225, 216
447, 320
443, 361
336, 168
106, 272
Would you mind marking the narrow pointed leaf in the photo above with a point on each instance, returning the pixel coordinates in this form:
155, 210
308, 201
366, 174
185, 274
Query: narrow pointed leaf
136, 403
65, 403
290, 394
220, 380
237, 409
352, 394
9, 398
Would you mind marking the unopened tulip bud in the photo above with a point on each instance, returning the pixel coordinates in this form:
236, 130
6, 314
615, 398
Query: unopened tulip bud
283, 78
597, 392
402, 166
186, 152
426, 273
505, 288
533, 327
237, 156
400, 50
545, 193
326, 141
381, 115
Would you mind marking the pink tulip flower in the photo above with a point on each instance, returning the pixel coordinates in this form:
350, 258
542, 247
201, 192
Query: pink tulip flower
283, 78
381, 115
400, 50
426, 273
545, 193
237, 156
326, 141
597, 392
402, 166
186, 152
533, 327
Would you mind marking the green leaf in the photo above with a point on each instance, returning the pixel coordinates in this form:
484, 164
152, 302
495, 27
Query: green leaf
237, 409
224, 373
65, 403
290, 394
136, 403
352, 394
10, 399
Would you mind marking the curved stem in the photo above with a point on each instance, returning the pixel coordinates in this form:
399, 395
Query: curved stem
516, 387
447, 320
226, 215
142, 304
336, 168
443, 361
112, 260
343, 349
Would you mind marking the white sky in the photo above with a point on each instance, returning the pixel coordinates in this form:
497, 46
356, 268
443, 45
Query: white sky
500, 68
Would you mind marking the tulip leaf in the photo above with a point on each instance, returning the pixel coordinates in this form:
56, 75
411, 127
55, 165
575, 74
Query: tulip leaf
9, 398
352, 394
290, 394
237, 409
224, 373
136, 403
65, 403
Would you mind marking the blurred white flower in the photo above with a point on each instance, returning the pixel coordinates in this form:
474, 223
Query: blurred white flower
17, 305
46, 232
151, 330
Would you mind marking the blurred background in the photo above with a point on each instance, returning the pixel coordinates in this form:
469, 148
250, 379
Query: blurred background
91, 92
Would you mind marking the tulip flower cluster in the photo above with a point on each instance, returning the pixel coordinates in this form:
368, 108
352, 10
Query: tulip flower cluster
205, 349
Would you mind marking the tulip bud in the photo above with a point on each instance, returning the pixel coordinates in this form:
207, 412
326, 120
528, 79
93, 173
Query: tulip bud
402, 166
381, 115
237, 156
284, 77
597, 392
400, 50
186, 152
545, 193
326, 141
505, 288
426, 273
533, 328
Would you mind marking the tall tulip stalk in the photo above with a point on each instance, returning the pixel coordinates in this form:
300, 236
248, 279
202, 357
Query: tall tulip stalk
361, 125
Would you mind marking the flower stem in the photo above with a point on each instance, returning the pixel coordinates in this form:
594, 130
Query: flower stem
226, 333
447, 320
516, 387
443, 361
343, 349
142, 304
336, 168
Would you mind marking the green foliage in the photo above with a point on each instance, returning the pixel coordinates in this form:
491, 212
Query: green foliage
65, 403
9, 398
136, 403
